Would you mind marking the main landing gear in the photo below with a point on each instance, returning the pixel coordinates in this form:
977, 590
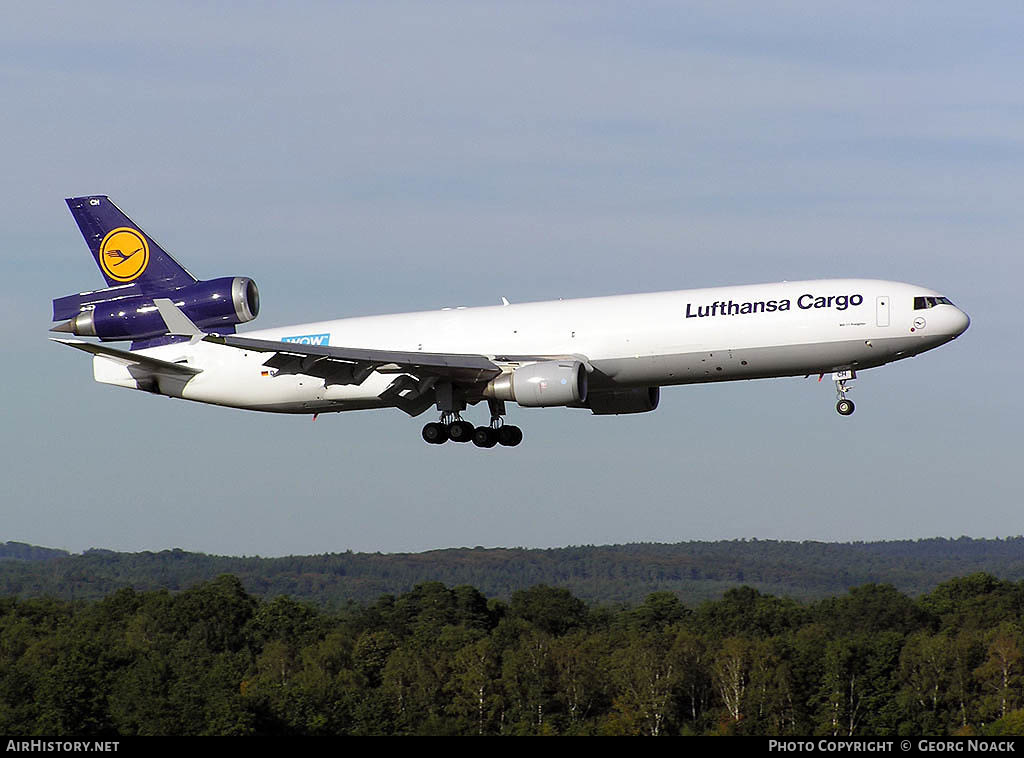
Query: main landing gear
453, 427
457, 430
844, 406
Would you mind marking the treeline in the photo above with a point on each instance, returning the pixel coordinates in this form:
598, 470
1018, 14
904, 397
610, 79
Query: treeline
624, 574
214, 659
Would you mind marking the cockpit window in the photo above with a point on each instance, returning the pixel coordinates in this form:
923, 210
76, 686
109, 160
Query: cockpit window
920, 303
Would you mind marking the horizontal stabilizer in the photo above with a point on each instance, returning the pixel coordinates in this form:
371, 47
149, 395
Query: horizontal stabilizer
152, 365
178, 324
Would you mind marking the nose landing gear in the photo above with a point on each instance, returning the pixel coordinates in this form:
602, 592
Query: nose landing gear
844, 406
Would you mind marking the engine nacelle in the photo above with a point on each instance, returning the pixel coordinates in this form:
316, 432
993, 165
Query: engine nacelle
541, 385
110, 315
617, 402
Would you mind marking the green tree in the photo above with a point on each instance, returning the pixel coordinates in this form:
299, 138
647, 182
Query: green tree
475, 687
528, 678
658, 611
926, 669
1000, 674
581, 680
371, 653
550, 609
730, 670
841, 692
772, 694
696, 687
645, 675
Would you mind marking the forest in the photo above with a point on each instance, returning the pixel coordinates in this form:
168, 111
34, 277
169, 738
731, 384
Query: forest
606, 574
214, 659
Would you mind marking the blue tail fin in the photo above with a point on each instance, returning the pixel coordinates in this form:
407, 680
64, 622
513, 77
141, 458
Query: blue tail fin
124, 253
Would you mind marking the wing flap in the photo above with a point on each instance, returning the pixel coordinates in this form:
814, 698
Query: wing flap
345, 365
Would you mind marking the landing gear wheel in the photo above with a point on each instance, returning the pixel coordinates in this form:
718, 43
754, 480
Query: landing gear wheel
845, 407
510, 436
484, 436
460, 431
435, 434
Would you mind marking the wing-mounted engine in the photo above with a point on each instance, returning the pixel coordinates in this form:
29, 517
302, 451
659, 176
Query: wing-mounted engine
617, 402
541, 385
125, 313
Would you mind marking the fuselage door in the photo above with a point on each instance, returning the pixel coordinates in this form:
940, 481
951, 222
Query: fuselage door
882, 310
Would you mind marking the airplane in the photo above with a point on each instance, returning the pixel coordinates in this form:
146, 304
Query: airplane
609, 355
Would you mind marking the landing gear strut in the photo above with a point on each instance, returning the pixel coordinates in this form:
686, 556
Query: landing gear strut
450, 427
844, 406
498, 432
451, 403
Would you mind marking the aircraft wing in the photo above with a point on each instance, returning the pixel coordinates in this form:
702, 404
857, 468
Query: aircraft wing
150, 365
347, 365
417, 373
413, 387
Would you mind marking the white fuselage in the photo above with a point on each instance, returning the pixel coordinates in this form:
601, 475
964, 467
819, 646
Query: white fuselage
658, 339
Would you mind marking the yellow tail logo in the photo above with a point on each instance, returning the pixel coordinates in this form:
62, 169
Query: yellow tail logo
124, 254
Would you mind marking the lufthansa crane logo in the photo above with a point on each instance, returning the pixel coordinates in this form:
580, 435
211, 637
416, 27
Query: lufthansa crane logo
124, 254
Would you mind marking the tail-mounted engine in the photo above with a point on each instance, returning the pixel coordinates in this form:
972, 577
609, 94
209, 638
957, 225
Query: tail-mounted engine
124, 313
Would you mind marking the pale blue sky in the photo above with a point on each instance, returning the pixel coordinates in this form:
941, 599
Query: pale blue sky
358, 158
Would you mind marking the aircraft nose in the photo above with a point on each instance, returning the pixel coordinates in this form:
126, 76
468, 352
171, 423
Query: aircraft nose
960, 322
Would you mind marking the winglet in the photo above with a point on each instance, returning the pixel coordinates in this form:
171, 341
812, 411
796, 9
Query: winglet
178, 324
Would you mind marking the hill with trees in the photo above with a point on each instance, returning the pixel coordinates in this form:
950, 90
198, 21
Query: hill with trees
615, 574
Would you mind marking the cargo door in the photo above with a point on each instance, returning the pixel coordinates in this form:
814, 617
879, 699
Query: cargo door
882, 310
